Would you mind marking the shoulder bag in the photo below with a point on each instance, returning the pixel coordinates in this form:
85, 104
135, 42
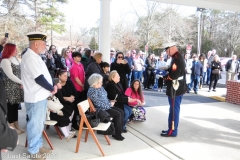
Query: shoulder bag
216, 72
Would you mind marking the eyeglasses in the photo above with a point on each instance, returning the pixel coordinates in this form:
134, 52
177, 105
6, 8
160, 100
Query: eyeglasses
120, 57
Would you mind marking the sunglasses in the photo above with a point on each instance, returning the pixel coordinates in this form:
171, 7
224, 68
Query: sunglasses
120, 57
166, 49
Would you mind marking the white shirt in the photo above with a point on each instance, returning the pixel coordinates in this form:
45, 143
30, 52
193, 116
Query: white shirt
138, 64
32, 66
7, 68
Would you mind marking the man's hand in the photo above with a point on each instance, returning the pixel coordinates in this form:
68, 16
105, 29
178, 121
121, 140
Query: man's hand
3, 41
55, 90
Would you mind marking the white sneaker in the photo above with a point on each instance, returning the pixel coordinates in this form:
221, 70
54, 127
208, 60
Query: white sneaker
158, 90
161, 90
71, 135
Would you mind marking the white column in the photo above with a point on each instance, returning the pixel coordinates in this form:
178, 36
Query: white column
104, 30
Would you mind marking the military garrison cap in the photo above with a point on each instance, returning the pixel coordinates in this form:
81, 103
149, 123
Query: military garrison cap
33, 36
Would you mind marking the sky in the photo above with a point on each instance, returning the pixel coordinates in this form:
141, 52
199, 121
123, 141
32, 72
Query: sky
86, 13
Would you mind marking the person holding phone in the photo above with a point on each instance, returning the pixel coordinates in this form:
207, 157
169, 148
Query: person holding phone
99, 97
114, 88
2, 42
121, 66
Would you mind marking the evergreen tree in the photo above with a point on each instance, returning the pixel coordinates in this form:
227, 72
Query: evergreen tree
93, 44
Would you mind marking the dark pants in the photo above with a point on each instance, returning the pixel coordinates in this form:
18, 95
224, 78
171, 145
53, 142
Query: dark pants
12, 112
149, 79
176, 108
118, 115
160, 82
214, 85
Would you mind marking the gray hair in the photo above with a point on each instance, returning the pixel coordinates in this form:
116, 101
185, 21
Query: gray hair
94, 79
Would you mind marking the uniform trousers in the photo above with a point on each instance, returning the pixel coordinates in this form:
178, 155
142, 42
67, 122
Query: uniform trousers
178, 100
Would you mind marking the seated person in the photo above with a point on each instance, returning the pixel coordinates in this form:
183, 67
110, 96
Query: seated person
98, 96
115, 91
105, 67
135, 91
63, 121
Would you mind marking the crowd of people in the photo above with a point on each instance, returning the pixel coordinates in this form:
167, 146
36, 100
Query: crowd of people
74, 76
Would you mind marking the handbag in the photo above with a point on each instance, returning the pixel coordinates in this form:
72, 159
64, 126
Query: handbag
109, 131
216, 71
92, 119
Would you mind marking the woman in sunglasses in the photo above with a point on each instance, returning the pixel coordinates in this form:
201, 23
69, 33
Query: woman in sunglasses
122, 67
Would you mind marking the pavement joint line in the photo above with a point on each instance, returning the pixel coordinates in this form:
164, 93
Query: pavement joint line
169, 154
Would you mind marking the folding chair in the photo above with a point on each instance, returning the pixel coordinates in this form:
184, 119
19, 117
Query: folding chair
83, 107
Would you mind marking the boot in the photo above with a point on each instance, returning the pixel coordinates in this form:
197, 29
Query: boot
12, 125
17, 127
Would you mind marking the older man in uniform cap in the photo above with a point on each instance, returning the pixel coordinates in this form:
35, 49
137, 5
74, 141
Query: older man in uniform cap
176, 87
37, 85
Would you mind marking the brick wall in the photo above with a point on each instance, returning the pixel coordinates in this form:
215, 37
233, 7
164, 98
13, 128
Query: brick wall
233, 92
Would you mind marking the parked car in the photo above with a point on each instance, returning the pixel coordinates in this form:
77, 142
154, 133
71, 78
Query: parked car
224, 61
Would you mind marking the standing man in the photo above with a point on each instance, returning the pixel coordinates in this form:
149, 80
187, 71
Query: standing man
197, 73
131, 65
232, 68
37, 85
176, 87
209, 64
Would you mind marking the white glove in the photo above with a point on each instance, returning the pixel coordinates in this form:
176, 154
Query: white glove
175, 84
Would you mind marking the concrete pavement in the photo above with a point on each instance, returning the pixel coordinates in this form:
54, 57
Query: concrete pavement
208, 130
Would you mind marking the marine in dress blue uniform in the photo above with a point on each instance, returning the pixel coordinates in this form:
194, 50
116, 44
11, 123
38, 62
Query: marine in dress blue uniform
176, 87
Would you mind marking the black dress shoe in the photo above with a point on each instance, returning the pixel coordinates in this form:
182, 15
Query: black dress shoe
119, 138
166, 135
164, 131
124, 131
195, 92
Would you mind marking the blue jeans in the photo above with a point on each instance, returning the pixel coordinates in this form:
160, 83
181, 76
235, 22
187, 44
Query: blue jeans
36, 113
129, 76
177, 103
127, 114
208, 75
137, 75
203, 79
195, 79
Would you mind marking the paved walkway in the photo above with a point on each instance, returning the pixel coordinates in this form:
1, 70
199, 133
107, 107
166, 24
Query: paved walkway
208, 130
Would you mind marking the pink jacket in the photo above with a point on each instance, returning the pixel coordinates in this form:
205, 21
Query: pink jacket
77, 70
131, 94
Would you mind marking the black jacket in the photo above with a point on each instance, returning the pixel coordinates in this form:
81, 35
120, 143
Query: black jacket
176, 71
8, 136
114, 89
93, 67
229, 63
123, 70
215, 65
